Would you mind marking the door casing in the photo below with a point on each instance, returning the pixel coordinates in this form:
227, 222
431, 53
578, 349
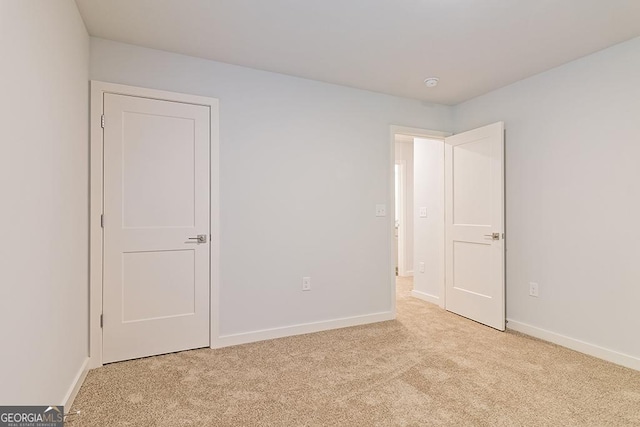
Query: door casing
402, 205
98, 89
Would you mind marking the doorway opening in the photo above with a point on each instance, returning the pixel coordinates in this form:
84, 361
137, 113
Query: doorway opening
410, 235
450, 224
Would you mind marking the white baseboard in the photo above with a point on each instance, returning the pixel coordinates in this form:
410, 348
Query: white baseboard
425, 297
577, 345
75, 385
305, 328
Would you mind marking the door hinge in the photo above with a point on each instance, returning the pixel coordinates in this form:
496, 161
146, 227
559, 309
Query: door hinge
101, 220
101, 320
102, 121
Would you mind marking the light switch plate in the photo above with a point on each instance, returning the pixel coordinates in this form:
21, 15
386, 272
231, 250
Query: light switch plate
381, 210
423, 212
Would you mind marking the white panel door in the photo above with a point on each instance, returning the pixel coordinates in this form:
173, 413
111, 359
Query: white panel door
474, 218
156, 202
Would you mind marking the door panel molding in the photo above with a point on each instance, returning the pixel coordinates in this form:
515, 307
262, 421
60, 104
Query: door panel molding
98, 91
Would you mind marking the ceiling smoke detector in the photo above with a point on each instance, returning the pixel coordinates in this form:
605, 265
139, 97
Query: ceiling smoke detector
431, 81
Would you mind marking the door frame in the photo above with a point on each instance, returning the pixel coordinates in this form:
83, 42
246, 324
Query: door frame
402, 236
417, 133
98, 89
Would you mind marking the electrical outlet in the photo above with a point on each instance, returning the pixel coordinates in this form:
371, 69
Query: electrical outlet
533, 289
381, 210
422, 267
422, 212
306, 283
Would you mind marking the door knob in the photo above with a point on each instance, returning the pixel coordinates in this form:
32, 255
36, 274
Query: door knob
200, 238
494, 236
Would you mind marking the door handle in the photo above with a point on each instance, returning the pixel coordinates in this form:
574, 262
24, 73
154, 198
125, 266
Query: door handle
494, 236
200, 238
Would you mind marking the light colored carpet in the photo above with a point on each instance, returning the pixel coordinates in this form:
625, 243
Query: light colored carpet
427, 368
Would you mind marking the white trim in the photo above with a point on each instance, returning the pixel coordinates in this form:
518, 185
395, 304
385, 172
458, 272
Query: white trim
443, 236
214, 212
575, 344
95, 229
77, 382
98, 89
390, 221
409, 273
418, 133
304, 328
426, 297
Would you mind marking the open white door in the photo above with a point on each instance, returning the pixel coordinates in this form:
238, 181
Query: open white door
156, 205
474, 220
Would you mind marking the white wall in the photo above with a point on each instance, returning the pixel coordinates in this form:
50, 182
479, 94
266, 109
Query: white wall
428, 159
572, 196
44, 188
404, 153
303, 164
